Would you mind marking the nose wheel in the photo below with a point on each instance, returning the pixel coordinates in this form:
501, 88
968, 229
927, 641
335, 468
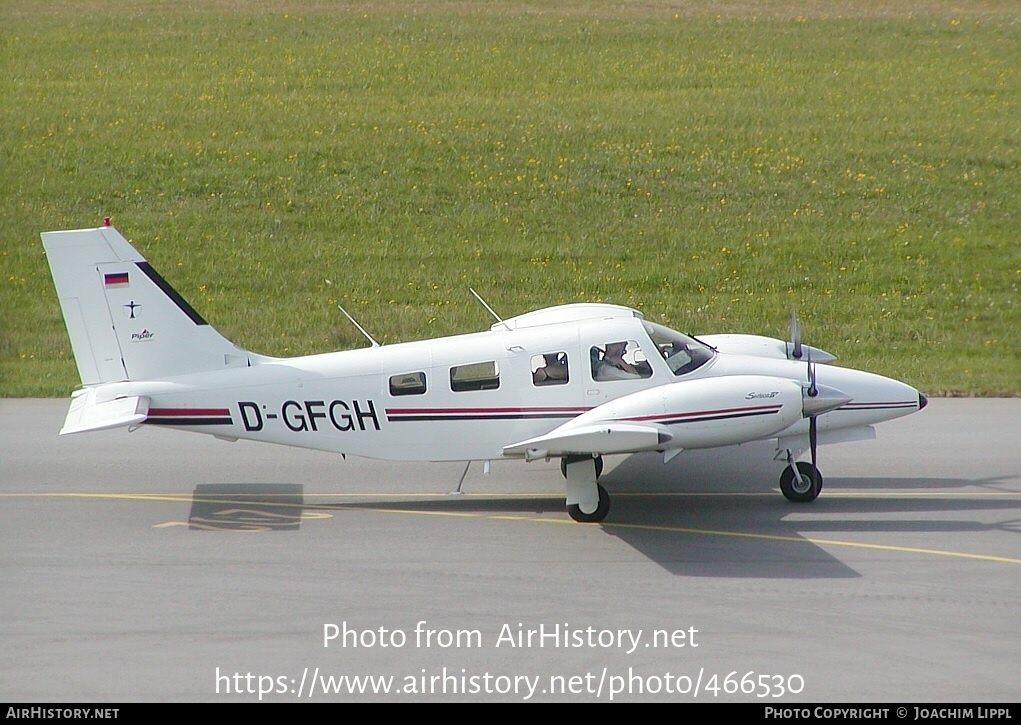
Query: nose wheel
804, 485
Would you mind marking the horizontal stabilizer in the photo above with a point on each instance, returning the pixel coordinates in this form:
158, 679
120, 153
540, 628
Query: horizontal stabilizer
601, 438
86, 414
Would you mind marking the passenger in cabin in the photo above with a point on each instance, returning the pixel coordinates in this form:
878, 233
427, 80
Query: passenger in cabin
553, 370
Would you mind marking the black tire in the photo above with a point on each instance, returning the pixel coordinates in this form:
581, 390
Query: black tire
596, 516
574, 459
805, 488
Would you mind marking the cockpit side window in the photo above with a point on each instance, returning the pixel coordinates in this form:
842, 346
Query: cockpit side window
681, 352
550, 369
621, 360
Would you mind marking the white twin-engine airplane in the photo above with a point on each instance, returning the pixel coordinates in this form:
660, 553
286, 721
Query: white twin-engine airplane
574, 382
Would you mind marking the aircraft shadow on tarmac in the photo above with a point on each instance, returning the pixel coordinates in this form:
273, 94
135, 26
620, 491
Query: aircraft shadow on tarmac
247, 507
704, 516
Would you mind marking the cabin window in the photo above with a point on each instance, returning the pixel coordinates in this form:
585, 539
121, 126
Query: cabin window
407, 384
550, 369
623, 360
475, 376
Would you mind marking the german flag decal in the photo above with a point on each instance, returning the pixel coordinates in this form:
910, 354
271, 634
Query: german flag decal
115, 279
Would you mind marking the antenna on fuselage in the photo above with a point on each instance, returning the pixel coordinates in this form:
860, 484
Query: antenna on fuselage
360, 328
498, 318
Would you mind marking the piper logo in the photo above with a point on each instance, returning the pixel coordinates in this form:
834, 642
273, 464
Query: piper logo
142, 336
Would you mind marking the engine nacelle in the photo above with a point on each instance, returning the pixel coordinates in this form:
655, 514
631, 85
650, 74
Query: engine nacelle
759, 346
708, 412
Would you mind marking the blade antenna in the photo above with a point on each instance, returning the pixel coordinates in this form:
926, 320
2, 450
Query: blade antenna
458, 491
360, 328
490, 309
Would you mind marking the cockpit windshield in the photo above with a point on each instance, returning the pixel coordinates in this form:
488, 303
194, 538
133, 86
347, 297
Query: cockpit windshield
681, 352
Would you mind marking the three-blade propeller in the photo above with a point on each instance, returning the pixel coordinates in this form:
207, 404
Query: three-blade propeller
813, 435
817, 399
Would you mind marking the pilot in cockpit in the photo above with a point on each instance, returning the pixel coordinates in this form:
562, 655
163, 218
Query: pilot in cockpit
613, 366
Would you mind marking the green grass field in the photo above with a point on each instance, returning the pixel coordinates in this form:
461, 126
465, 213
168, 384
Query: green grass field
860, 161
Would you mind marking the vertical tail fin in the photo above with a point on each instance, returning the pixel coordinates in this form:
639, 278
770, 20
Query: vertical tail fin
124, 320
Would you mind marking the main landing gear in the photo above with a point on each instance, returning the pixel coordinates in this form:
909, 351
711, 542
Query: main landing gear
800, 482
587, 501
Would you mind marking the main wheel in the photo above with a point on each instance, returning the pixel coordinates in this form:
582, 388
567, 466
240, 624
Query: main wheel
575, 459
596, 516
804, 487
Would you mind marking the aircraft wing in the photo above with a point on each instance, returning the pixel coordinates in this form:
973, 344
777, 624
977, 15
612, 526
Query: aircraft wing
603, 437
86, 413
